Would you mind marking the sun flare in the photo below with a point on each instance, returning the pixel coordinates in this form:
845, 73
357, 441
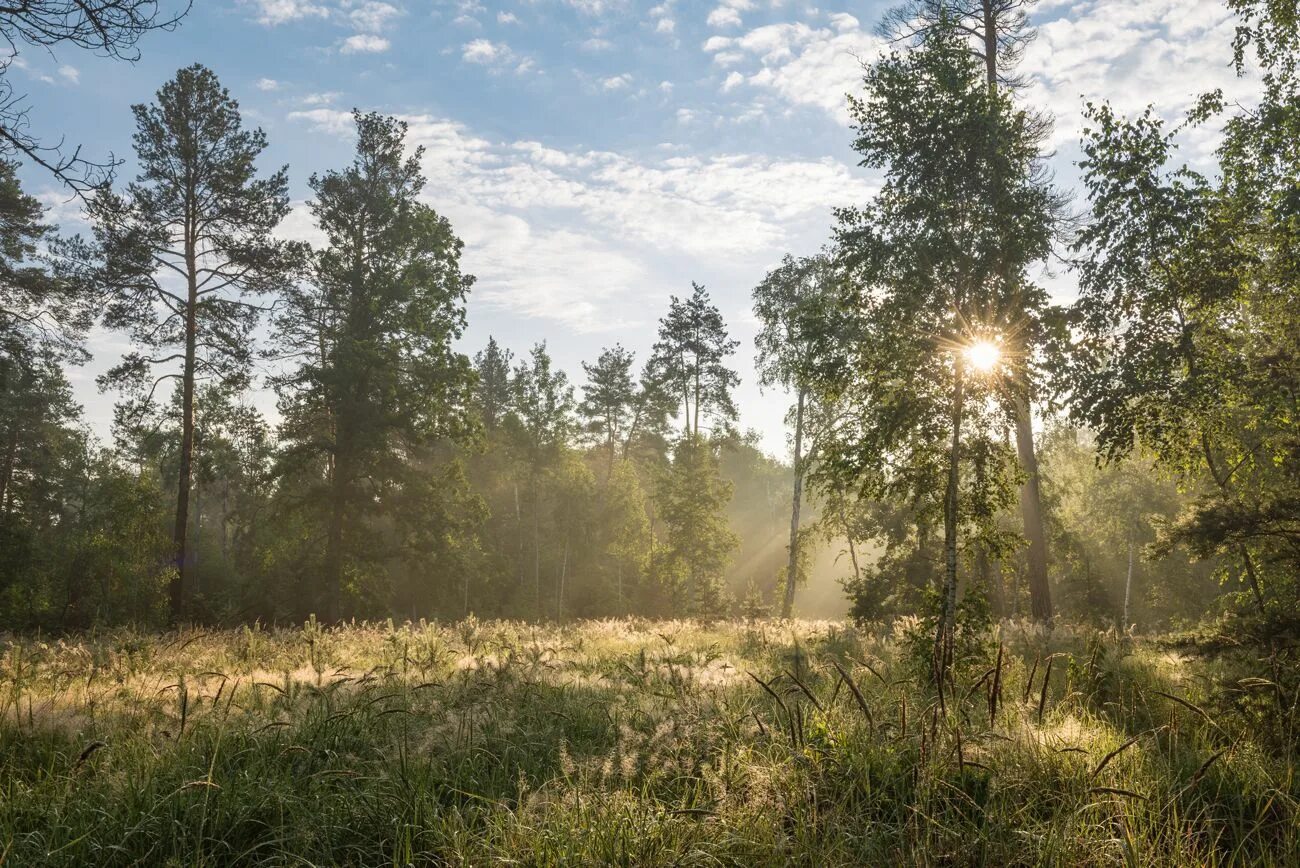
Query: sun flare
984, 356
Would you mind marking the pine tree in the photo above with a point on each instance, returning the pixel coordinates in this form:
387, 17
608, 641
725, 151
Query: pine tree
492, 391
184, 255
693, 499
378, 380
690, 362
608, 398
39, 307
543, 426
689, 359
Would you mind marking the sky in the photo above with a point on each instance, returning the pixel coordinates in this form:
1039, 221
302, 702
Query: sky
597, 156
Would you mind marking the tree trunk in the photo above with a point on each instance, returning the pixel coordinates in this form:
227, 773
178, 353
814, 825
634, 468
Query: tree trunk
983, 573
853, 548
537, 548
1222, 481
564, 570
333, 590
990, 35
11, 454
998, 589
225, 521
948, 617
196, 540
177, 588
792, 568
1031, 513
519, 526
696, 409
1031, 501
1128, 586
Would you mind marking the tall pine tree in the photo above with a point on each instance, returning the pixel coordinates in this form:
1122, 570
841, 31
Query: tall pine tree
185, 254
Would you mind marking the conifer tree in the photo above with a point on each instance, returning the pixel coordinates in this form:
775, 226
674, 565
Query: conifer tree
186, 255
690, 360
379, 380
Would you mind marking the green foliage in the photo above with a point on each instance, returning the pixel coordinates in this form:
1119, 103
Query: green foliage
938, 261
689, 361
42, 310
692, 498
1187, 315
492, 398
1100, 516
800, 333
378, 382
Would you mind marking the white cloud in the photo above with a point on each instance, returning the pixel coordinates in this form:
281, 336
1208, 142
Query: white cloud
724, 16
495, 55
364, 43
267, 84
70, 74
327, 120
727, 14
734, 80
616, 82
571, 235
485, 51
1161, 52
801, 64
596, 44
593, 7
507, 18
843, 21
273, 12
662, 16
372, 16
324, 98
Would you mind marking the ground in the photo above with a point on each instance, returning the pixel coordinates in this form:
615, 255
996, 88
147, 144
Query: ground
635, 743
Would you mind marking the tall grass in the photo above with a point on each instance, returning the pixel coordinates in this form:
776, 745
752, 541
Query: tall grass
629, 743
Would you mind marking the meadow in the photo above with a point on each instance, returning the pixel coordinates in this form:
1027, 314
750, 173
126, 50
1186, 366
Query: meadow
633, 742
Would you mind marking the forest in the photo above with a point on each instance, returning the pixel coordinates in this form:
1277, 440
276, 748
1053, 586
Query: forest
1025, 588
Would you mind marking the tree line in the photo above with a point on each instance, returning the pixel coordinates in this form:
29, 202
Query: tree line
407, 478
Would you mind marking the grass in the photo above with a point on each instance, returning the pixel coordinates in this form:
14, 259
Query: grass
632, 743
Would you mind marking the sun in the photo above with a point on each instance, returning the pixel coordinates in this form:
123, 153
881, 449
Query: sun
984, 356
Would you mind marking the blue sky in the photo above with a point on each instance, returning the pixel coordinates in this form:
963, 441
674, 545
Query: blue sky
597, 156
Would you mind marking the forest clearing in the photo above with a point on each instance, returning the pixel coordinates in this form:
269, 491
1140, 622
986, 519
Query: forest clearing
708, 434
637, 742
